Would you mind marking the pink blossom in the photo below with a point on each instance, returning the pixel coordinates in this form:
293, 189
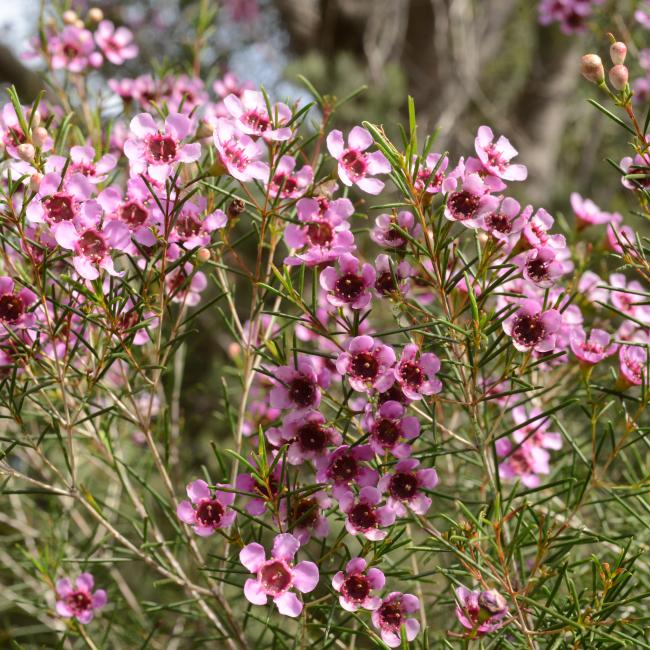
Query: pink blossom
480, 611
496, 156
250, 115
506, 222
628, 297
386, 234
364, 516
239, 153
534, 429
355, 166
417, 376
298, 386
12, 135
536, 231
207, 510
14, 305
390, 430
345, 465
594, 349
392, 280
639, 166
288, 184
533, 329
591, 287
191, 228
471, 202
304, 515
524, 460
184, 283
367, 363
587, 212
267, 490
308, 437
278, 576
349, 286
405, 487
392, 614
438, 182
356, 585
619, 236
73, 49
633, 364
541, 266
82, 161
58, 202
116, 44
79, 601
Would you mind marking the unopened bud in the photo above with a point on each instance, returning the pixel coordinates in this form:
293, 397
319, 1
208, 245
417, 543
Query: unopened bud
79, 24
95, 15
69, 17
617, 53
235, 208
204, 131
35, 118
35, 182
26, 152
40, 136
591, 68
618, 76
203, 255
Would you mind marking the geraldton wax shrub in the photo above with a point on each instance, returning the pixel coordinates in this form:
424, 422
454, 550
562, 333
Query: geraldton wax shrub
421, 415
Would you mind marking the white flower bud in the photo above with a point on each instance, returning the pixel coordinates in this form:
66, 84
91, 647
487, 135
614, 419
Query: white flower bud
618, 76
69, 17
591, 68
617, 53
40, 136
26, 152
35, 182
95, 15
203, 255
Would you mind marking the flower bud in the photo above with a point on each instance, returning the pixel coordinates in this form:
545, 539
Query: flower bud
95, 15
26, 152
40, 136
492, 601
35, 118
69, 17
235, 208
618, 77
35, 182
203, 255
617, 53
79, 24
591, 68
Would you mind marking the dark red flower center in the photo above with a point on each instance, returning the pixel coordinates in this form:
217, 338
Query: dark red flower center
537, 270
312, 437
356, 588
499, 222
320, 233
411, 373
385, 283
363, 517
463, 205
133, 213
305, 513
209, 512
11, 308
78, 601
403, 485
162, 148
256, 121
188, 227
60, 207
92, 246
393, 394
349, 287
275, 577
287, 184
390, 615
386, 432
302, 391
364, 366
355, 163
344, 468
528, 329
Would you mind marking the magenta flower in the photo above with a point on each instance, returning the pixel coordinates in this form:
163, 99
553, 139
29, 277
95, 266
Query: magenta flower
12, 135
619, 236
154, 150
480, 611
239, 153
184, 283
385, 284
80, 601
496, 156
207, 510
52, 205
355, 166
73, 49
506, 222
364, 516
305, 515
298, 386
541, 266
116, 44
390, 430
267, 490
323, 236
417, 376
288, 184
633, 365
345, 465
367, 364
14, 306
393, 612
587, 212
308, 437
438, 182
594, 349
524, 460
82, 161
536, 231
278, 576
469, 204
591, 286
193, 229
348, 286
356, 585
405, 486
627, 297
385, 234
533, 329
250, 115
535, 432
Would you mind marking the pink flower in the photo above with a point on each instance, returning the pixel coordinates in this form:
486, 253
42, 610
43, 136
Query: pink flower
356, 585
619, 236
594, 349
57, 201
239, 153
298, 386
267, 490
438, 182
390, 430
591, 287
116, 44
405, 486
323, 235
417, 377
288, 184
73, 49
536, 231
628, 297
536, 430
480, 611
348, 286
12, 135
633, 364
364, 516
156, 150
207, 510
496, 156
355, 167
367, 364
385, 234
307, 436
541, 266
345, 465
82, 161
184, 283
471, 202
278, 576
14, 306
533, 329
392, 614
391, 281
250, 115
524, 460
190, 229
506, 222
587, 212
304, 515
80, 601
